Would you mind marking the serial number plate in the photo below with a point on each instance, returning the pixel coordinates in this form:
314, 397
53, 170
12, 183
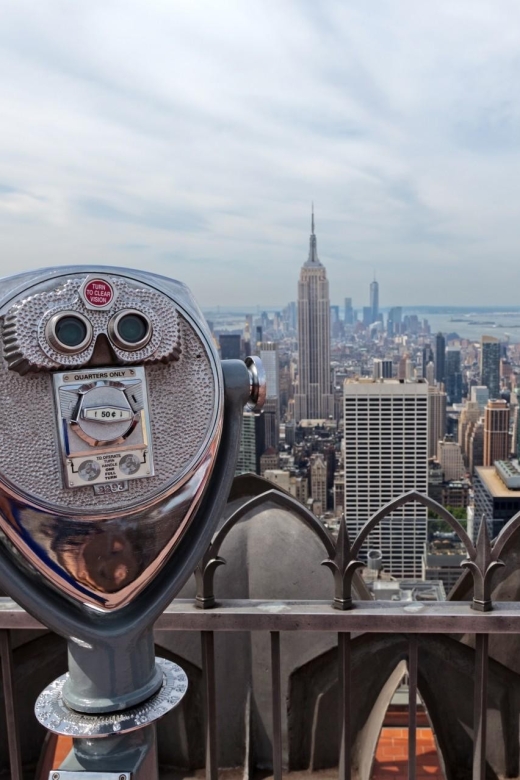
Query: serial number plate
110, 487
107, 414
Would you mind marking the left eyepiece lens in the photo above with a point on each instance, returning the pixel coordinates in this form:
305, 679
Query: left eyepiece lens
69, 332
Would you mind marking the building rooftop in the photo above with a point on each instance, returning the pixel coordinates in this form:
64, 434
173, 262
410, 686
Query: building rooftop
494, 484
324, 423
407, 590
509, 473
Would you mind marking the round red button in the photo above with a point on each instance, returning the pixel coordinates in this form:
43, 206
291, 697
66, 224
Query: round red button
98, 292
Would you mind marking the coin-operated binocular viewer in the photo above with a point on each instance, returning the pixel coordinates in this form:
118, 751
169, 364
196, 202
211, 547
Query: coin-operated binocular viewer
119, 432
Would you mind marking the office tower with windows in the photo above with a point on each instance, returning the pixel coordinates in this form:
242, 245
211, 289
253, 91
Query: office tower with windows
247, 455
290, 315
386, 454
476, 446
427, 357
336, 325
374, 300
314, 399
318, 471
497, 496
449, 455
230, 348
349, 312
497, 440
405, 368
367, 316
453, 376
469, 416
252, 443
269, 460
480, 394
515, 439
440, 349
383, 369
271, 423
393, 323
490, 365
436, 419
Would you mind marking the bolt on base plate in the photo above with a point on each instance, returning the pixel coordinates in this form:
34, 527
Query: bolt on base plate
52, 712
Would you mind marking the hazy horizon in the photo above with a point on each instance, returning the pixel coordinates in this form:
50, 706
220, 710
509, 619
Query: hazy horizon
432, 307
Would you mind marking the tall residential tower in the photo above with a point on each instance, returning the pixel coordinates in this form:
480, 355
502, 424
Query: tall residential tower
314, 399
374, 300
490, 365
440, 358
497, 441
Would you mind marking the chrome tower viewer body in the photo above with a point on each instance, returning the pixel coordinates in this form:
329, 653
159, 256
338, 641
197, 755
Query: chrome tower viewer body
119, 430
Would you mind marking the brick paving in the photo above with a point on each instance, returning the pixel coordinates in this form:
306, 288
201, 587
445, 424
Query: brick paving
391, 759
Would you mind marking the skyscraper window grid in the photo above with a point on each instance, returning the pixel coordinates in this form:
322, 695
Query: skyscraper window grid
386, 454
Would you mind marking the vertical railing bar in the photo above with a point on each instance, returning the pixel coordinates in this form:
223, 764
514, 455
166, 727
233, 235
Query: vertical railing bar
480, 707
344, 657
412, 705
276, 688
210, 703
13, 737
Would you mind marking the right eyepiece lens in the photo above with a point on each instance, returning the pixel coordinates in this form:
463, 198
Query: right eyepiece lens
132, 328
71, 331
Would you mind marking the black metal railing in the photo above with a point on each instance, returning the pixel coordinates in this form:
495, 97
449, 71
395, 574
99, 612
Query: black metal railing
343, 614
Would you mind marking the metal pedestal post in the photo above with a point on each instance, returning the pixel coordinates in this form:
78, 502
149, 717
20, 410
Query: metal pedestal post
116, 745
132, 756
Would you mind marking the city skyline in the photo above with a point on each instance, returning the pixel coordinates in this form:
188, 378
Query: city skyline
191, 138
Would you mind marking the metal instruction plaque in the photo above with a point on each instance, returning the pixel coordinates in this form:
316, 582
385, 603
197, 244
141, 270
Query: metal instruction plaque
104, 426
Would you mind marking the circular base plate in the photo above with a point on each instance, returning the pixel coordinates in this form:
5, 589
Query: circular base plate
52, 712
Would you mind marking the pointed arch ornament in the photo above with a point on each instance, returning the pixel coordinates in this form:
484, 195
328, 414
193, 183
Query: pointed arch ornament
211, 560
483, 558
342, 556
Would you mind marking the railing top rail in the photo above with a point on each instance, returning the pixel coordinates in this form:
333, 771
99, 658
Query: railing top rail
378, 616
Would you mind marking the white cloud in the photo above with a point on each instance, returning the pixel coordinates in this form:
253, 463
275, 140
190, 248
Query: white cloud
191, 137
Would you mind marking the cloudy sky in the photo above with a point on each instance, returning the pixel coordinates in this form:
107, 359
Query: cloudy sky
190, 137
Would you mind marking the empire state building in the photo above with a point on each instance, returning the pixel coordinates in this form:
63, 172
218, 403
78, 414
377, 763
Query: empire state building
314, 399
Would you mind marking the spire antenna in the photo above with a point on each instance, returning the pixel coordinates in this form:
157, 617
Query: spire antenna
313, 249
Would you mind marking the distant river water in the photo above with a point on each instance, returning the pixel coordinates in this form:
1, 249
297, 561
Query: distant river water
473, 324
468, 323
